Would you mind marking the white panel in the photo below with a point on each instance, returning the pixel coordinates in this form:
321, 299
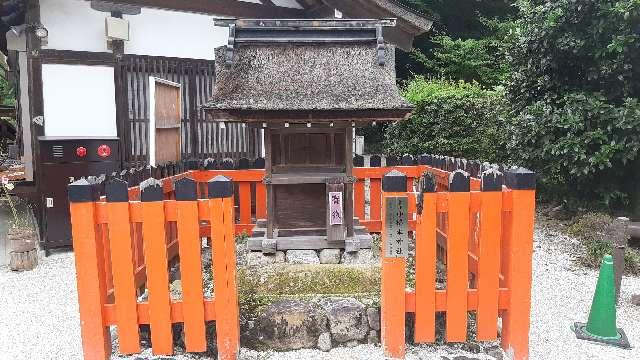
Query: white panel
73, 25
174, 34
25, 119
78, 100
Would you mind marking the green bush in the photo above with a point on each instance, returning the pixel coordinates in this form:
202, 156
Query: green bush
453, 118
583, 148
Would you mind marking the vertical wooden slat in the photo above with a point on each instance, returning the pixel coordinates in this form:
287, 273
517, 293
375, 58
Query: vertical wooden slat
261, 201
457, 266
190, 266
489, 264
222, 228
358, 198
232, 292
375, 191
155, 256
245, 202
426, 271
96, 339
393, 309
123, 266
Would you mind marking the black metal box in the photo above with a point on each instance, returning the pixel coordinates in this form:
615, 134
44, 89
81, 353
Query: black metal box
61, 161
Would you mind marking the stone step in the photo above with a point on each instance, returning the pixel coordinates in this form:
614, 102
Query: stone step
311, 242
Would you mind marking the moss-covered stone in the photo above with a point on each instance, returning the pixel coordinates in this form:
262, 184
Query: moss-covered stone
311, 280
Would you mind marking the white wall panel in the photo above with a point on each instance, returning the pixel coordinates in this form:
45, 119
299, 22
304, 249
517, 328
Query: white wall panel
78, 100
73, 25
174, 34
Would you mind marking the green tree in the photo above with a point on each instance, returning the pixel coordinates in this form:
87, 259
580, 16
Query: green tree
574, 94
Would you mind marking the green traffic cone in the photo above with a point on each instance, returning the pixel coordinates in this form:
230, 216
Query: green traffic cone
601, 326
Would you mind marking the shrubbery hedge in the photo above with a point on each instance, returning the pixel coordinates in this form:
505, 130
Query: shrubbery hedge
453, 118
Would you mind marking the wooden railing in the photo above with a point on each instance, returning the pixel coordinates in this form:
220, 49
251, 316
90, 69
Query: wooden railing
108, 236
479, 236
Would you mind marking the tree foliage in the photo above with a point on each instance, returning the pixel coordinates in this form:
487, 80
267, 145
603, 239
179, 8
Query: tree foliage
574, 94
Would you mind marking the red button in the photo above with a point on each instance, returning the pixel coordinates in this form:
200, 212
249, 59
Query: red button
104, 150
81, 151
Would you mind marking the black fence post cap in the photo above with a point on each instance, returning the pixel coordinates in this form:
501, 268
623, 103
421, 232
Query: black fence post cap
209, 164
258, 163
192, 164
227, 164
117, 190
220, 187
391, 160
375, 161
427, 183
459, 181
185, 189
394, 181
407, 160
151, 190
492, 180
358, 161
81, 191
243, 164
519, 178
425, 159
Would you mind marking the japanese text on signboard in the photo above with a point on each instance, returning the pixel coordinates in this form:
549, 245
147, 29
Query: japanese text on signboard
396, 227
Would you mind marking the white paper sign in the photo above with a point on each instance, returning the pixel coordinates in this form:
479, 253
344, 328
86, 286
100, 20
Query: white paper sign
335, 207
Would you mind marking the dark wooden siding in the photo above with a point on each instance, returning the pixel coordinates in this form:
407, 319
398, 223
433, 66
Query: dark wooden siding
201, 137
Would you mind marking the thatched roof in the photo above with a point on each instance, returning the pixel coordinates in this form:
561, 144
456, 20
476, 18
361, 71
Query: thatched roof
307, 77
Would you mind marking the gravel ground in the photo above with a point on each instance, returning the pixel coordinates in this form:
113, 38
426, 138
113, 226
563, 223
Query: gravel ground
39, 319
562, 294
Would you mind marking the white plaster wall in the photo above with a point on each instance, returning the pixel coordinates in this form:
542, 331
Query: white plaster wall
174, 34
78, 100
25, 119
73, 25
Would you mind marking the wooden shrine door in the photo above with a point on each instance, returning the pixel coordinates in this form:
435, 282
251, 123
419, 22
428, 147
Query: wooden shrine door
165, 130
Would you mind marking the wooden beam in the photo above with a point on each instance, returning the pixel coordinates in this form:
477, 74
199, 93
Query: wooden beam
232, 8
402, 35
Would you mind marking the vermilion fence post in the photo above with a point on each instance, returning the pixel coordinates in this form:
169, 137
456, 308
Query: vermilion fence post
374, 190
489, 254
117, 194
155, 257
190, 265
395, 239
516, 319
220, 190
426, 261
459, 199
89, 257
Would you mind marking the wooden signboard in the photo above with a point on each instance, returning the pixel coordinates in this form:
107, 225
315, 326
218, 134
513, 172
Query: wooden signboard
165, 121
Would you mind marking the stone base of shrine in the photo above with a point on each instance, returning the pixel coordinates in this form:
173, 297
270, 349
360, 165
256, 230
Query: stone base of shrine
306, 239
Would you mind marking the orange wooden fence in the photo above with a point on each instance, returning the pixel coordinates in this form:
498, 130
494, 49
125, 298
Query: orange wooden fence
104, 232
125, 240
478, 236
